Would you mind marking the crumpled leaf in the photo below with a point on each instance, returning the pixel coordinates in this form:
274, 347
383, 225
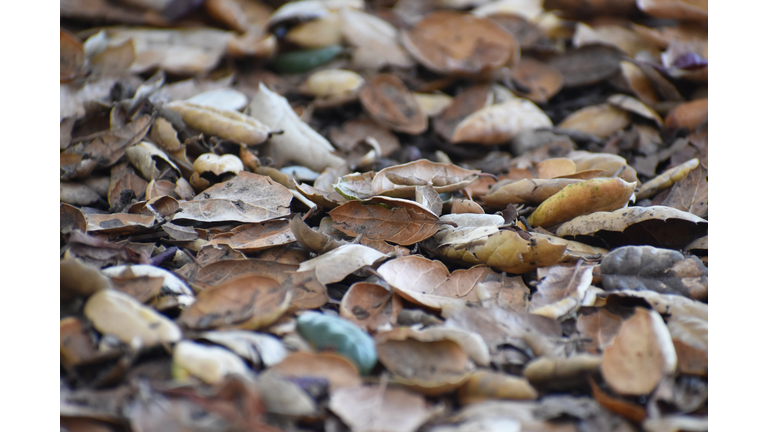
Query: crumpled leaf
371, 408
429, 283
582, 198
406, 224
298, 142
641, 354
337, 264
386, 99
402, 180
500, 123
561, 292
662, 270
114, 312
455, 43
247, 302
658, 226
248, 198
331, 332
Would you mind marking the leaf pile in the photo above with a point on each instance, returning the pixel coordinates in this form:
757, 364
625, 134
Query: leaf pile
384, 215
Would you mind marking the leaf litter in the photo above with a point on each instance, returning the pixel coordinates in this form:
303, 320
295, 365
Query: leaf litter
384, 215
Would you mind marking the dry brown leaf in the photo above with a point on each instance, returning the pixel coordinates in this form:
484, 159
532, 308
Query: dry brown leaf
639, 83
255, 237
525, 191
611, 165
227, 124
679, 9
455, 43
666, 179
691, 194
354, 131
500, 123
654, 225
337, 369
372, 408
561, 373
370, 306
484, 385
429, 283
535, 80
376, 40
119, 223
72, 56
600, 327
247, 302
562, 291
337, 264
464, 104
403, 225
401, 181
432, 367
599, 120
582, 198
642, 353
625, 39
386, 99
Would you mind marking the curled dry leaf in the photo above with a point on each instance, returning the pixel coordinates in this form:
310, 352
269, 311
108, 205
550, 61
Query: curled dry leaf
331, 332
355, 186
114, 312
258, 348
406, 224
227, 124
310, 239
455, 43
218, 165
429, 283
611, 165
247, 302
145, 156
119, 223
526, 191
388, 102
370, 306
599, 120
562, 373
373, 408
666, 179
500, 123
340, 262
641, 355
211, 364
428, 367
662, 270
483, 385
255, 237
582, 198
336, 369
634, 106
654, 225
298, 142
401, 180
561, 292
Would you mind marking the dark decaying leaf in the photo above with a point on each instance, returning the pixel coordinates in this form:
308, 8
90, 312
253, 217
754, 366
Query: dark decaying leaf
661, 270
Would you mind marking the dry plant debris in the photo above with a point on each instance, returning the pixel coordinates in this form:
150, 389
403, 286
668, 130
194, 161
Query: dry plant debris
384, 215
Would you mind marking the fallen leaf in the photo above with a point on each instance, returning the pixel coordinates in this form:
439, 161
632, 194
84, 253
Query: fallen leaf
375, 39
553, 373
386, 99
499, 123
526, 191
208, 363
337, 264
371, 408
337, 370
666, 179
586, 65
71, 58
678, 9
599, 120
247, 302
661, 270
641, 355
441, 176
258, 348
403, 225
535, 80
484, 385
113, 312
370, 306
600, 327
255, 237
582, 198
455, 43
691, 193
227, 124
658, 226
298, 142
561, 292
463, 105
